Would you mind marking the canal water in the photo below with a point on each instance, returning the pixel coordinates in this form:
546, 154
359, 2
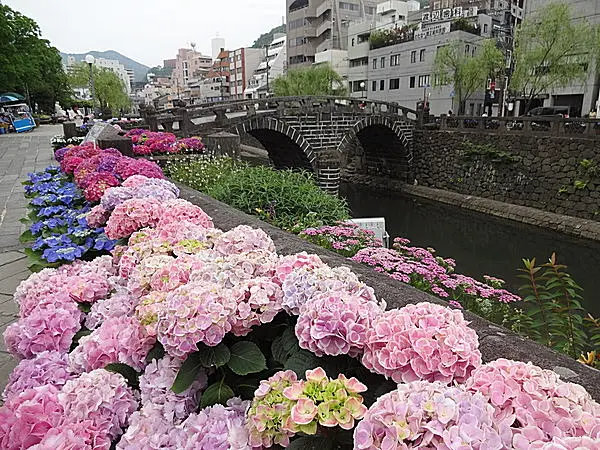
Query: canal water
480, 244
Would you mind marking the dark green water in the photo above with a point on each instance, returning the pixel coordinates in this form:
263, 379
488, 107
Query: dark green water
480, 244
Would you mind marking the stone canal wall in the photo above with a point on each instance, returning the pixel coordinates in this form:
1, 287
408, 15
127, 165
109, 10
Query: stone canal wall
495, 342
555, 174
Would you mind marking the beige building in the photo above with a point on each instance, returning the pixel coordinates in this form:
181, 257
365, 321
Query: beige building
190, 67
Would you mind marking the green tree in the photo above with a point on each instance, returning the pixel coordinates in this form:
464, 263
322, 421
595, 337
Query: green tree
321, 79
29, 64
267, 38
109, 89
467, 72
551, 51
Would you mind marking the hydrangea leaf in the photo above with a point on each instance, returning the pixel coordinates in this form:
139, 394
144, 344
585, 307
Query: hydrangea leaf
127, 371
214, 356
187, 373
246, 358
216, 393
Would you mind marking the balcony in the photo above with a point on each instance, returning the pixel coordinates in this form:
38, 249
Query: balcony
322, 28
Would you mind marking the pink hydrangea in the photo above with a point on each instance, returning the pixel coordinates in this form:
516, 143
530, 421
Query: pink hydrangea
423, 415
45, 368
134, 181
26, 417
97, 183
287, 264
118, 339
131, 215
194, 312
80, 435
243, 239
155, 388
536, 402
569, 443
97, 217
38, 287
148, 309
422, 342
101, 397
258, 302
127, 167
49, 328
306, 282
172, 274
217, 427
60, 299
141, 276
119, 304
178, 210
69, 164
336, 323
88, 287
150, 430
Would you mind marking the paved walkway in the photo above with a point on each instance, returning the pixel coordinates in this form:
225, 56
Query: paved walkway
19, 155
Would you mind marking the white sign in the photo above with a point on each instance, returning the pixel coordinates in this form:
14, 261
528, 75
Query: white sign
433, 30
441, 15
376, 225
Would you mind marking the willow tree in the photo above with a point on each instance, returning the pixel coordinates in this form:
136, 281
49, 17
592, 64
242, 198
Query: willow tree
320, 79
109, 88
467, 71
551, 51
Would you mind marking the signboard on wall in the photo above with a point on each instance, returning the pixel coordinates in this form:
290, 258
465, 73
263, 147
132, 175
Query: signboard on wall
442, 15
376, 225
433, 30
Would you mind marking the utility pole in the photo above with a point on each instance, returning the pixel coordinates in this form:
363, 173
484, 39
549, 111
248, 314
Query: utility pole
267, 61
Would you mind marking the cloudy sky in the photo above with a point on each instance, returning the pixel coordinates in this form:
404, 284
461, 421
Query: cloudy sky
149, 31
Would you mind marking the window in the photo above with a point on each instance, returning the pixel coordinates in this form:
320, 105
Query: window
412, 82
374, 86
423, 80
349, 6
485, 27
394, 60
382, 62
394, 83
352, 42
413, 56
374, 63
467, 48
382, 85
422, 55
370, 10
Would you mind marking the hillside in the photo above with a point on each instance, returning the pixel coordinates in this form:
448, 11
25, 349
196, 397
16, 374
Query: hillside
267, 38
140, 70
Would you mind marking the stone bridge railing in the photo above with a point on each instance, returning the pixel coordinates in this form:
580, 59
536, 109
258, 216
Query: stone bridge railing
550, 126
278, 106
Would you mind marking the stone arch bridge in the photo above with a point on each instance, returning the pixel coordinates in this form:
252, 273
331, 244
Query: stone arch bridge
322, 134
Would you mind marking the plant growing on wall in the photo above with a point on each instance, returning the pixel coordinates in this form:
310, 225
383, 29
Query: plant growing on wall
487, 152
551, 51
457, 65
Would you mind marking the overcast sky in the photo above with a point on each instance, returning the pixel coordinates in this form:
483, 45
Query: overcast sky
149, 31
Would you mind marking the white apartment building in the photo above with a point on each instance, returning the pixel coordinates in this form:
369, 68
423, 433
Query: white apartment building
116, 67
272, 66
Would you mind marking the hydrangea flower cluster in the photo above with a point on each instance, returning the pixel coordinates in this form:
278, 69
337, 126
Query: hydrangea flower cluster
133, 214
535, 402
336, 323
283, 406
155, 142
431, 415
343, 238
243, 239
422, 342
258, 302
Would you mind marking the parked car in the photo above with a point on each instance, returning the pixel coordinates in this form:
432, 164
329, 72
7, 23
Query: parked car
564, 112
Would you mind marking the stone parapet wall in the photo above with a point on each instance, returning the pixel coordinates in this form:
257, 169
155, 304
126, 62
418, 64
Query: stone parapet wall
495, 342
535, 171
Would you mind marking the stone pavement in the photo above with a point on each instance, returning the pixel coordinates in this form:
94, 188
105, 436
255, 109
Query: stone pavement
19, 155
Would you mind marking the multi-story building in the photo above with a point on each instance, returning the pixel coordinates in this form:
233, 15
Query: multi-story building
214, 87
190, 67
581, 97
116, 67
242, 64
317, 26
270, 68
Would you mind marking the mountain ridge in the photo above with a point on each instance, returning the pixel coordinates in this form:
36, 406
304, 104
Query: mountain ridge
140, 70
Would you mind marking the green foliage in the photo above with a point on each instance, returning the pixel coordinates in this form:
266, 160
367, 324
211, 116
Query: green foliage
467, 73
553, 307
551, 51
203, 172
462, 24
267, 38
216, 393
132, 377
487, 152
281, 197
28, 63
392, 36
246, 358
109, 89
320, 79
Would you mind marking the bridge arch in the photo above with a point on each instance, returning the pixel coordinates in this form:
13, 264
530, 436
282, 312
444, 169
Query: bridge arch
378, 145
286, 146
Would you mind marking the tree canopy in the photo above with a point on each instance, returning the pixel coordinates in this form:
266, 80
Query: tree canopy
267, 38
466, 71
552, 51
29, 65
109, 89
320, 79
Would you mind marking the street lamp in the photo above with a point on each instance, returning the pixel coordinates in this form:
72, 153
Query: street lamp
90, 60
362, 88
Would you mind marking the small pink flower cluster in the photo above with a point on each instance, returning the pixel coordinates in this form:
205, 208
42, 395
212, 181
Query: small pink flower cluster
336, 323
431, 415
243, 239
258, 302
422, 342
97, 216
97, 183
289, 263
119, 304
535, 402
344, 238
283, 406
133, 214
117, 340
179, 210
